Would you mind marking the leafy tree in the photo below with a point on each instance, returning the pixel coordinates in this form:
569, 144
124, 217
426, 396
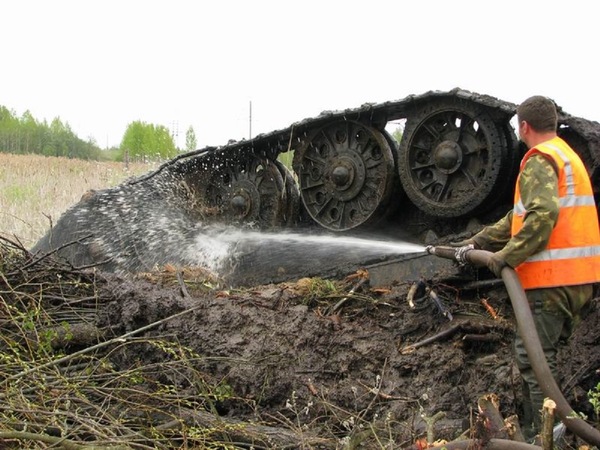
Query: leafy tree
143, 141
397, 134
30, 130
190, 139
58, 145
8, 130
132, 144
164, 147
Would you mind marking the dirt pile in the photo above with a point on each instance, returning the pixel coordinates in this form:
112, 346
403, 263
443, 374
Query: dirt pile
311, 363
277, 343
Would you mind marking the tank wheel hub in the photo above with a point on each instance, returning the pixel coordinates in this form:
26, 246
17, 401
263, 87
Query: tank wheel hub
347, 175
342, 176
448, 156
242, 201
239, 203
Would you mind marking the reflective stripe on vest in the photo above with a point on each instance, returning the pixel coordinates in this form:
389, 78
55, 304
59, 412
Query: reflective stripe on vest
572, 255
563, 202
566, 253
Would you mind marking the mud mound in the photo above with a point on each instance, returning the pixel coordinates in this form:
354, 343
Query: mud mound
306, 364
287, 361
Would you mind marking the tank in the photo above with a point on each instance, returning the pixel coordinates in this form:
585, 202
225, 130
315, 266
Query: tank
454, 169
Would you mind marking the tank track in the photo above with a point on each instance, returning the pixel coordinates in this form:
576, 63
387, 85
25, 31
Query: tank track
453, 170
389, 184
273, 143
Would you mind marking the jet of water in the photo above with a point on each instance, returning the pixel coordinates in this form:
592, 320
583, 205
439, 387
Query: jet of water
216, 247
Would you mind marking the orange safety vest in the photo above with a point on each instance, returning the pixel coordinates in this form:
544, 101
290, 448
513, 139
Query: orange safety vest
572, 255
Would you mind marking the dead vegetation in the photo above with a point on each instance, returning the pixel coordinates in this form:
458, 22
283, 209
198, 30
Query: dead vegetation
59, 384
171, 359
28, 209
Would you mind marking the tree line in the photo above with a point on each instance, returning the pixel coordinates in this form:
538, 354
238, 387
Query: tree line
25, 134
142, 141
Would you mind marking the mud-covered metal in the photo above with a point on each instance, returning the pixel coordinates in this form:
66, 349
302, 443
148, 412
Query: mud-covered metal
451, 157
458, 155
346, 174
454, 167
250, 190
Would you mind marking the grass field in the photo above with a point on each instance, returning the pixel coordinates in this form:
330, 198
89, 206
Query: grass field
35, 190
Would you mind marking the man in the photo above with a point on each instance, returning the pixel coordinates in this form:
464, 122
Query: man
550, 237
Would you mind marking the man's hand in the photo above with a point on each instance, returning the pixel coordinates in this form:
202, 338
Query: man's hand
496, 263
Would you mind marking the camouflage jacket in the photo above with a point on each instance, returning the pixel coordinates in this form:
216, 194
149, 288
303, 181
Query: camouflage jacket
538, 185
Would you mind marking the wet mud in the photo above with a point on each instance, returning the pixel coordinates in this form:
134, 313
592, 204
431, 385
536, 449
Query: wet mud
287, 352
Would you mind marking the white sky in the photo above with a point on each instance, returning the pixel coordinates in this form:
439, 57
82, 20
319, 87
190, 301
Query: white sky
102, 64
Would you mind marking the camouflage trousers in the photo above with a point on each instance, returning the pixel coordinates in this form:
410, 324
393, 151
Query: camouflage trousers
556, 312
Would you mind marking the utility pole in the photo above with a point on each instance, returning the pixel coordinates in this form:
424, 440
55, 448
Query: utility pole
250, 122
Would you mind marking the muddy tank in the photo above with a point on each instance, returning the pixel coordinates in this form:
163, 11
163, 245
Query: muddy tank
454, 169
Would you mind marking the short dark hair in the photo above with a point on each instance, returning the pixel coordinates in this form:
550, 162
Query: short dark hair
539, 112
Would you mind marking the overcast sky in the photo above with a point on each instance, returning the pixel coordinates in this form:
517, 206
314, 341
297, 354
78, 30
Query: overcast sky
102, 64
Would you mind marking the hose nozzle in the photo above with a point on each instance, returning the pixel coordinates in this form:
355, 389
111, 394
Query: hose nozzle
458, 254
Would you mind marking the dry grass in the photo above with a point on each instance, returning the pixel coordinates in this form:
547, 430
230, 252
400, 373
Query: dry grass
35, 190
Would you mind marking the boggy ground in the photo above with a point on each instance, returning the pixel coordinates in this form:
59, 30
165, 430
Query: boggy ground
336, 367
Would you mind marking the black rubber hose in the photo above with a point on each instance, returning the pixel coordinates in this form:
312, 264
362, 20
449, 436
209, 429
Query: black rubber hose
531, 341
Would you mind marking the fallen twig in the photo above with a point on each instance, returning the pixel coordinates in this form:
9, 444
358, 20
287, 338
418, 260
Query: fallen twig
430, 421
100, 345
439, 304
339, 304
57, 442
385, 396
480, 333
436, 337
46, 255
495, 426
182, 286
